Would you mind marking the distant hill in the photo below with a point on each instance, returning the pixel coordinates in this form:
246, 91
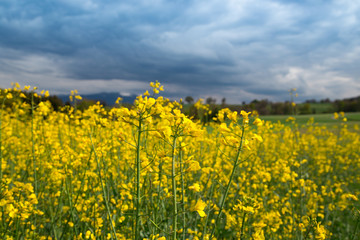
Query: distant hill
108, 98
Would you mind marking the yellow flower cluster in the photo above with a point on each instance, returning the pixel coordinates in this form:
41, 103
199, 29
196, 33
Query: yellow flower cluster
150, 172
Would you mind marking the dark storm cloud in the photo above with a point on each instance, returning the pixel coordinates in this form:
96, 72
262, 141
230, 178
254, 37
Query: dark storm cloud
199, 48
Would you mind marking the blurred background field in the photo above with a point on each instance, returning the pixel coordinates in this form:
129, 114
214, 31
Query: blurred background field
320, 119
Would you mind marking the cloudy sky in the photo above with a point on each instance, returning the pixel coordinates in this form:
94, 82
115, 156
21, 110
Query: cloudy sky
237, 49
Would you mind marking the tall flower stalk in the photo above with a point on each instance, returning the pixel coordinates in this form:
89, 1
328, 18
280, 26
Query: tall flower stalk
1, 152
138, 175
232, 139
173, 177
236, 162
106, 200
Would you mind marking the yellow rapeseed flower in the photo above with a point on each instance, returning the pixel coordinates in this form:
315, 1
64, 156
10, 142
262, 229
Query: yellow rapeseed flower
320, 233
195, 187
199, 207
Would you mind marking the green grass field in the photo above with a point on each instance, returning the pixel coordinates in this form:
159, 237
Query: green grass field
321, 107
323, 119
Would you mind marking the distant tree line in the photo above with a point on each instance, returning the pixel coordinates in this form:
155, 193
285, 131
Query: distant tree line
209, 107
266, 107
348, 105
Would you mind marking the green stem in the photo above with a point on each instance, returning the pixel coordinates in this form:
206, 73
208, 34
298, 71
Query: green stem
33, 143
183, 196
242, 226
69, 194
138, 173
33, 153
103, 189
308, 231
356, 226
230, 181
173, 175
1, 154
207, 215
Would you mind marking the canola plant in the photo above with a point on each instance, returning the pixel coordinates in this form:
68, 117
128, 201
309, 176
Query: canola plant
150, 172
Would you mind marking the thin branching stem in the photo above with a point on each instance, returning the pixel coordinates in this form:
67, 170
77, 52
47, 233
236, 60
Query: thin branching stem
138, 174
173, 176
103, 189
230, 181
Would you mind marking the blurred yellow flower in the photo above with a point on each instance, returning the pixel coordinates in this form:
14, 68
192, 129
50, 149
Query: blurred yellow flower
199, 207
195, 187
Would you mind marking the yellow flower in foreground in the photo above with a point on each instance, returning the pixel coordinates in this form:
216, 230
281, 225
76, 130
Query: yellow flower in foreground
259, 235
224, 128
320, 232
245, 116
194, 166
195, 187
257, 137
88, 234
199, 207
258, 122
233, 116
12, 211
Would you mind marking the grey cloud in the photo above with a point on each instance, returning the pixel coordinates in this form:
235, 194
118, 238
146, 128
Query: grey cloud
197, 47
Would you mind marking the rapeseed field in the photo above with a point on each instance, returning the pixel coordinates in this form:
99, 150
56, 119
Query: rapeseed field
150, 172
